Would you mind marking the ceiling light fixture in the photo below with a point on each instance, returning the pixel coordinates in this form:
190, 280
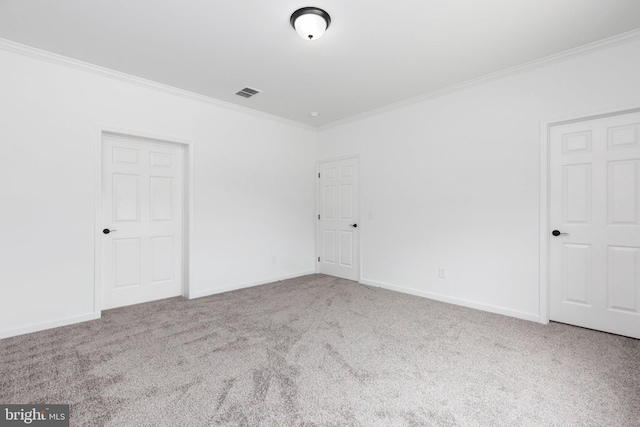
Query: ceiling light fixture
310, 22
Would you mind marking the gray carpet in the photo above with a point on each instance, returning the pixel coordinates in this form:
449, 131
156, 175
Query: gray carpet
322, 351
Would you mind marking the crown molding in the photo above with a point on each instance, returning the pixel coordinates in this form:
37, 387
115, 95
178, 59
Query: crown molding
619, 39
32, 52
10, 46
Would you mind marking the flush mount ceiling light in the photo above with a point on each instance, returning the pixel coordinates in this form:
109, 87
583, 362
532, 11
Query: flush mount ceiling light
310, 22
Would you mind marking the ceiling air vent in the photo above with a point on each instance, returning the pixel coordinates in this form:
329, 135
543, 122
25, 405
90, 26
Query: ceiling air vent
247, 92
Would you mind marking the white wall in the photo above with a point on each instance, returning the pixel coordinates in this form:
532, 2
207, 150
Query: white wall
453, 181
254, 188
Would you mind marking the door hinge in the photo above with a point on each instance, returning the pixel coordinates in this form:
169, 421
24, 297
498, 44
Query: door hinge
318, 216
318, 174
318, 259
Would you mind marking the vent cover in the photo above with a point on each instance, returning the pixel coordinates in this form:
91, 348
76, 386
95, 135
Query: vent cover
247, 92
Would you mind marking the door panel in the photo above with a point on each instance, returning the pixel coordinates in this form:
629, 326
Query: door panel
338, 238
346, 248
161, 198
627, 136
576, 275
595, 200
142, 202
577, 194
126, 197
623, 192
329, 246
126, 262
624, 279
346, 202
329, 207
162, 254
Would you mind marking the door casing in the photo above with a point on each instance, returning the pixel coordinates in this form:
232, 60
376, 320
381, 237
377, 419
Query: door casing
187, 247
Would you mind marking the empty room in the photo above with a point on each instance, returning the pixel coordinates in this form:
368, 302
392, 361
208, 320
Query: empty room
287, 213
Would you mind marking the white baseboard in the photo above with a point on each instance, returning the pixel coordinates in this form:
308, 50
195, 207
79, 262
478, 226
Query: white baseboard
36, 327
457, 301
248, 285
438, 297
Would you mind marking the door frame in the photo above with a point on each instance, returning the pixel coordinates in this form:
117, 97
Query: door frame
358, 199
545, 182
187, 217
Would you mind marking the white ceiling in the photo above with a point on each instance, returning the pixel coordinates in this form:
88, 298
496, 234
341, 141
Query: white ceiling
374, 54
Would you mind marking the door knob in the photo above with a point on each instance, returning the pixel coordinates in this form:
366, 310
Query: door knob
558, 233
354, 225
107, 231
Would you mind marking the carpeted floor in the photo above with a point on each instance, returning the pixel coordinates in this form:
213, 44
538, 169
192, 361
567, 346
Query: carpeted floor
322, 351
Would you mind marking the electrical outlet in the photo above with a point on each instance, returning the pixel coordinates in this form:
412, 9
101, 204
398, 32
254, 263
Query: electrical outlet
274, 260
442, 273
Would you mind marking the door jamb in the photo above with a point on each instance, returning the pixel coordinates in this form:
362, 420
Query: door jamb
188, 190
359, 200
545, 128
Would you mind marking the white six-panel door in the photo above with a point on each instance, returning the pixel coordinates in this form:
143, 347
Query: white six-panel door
142, 201
595, 203
338, 219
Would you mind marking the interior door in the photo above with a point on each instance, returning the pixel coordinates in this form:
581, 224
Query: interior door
595, 224
339, 249
142, 210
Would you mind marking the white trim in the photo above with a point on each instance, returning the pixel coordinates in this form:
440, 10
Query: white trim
248, 285
97, 222
359, 222
189, 215
544, 229
627, 37
188, 175
543, 248
54, 58
456, 301
36, 327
